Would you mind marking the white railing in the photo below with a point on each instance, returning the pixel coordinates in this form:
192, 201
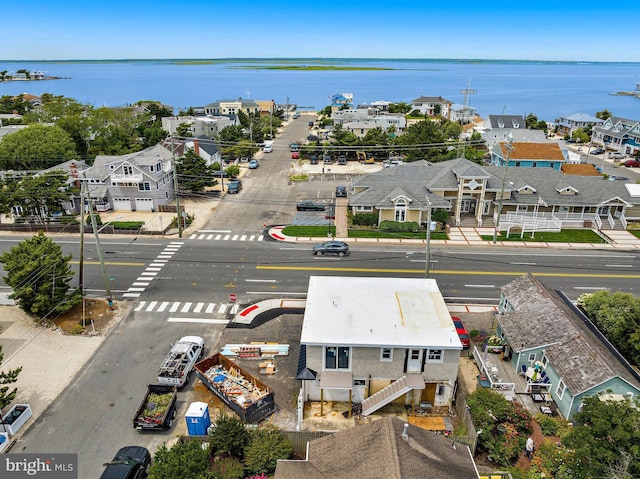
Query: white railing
598, 222
623, 220
120, 178
490, 372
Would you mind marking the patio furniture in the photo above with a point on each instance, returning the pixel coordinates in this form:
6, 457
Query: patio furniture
537, 397
546, 380
523, 370
546, 410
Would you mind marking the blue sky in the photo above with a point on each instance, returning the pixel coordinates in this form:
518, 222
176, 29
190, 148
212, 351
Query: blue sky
519, 30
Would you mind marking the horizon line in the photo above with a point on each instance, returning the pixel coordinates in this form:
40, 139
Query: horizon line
323, 58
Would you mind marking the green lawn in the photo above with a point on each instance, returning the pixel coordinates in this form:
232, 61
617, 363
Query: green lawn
635, 233
320, 231
564, 236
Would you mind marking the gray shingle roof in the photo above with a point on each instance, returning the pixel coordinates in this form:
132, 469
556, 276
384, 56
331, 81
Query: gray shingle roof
543, 319
377, 449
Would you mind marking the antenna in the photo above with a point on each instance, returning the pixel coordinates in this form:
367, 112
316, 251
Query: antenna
465, 111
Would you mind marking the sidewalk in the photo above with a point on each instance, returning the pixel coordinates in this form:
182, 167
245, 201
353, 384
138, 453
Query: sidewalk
469, 236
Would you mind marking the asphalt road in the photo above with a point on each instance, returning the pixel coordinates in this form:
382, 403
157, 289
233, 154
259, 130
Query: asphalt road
93, 415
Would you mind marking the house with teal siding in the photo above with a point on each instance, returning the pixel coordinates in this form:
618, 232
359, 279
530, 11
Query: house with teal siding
539, 324
528, 155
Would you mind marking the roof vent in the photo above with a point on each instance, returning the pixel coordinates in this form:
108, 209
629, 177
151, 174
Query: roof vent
405, 431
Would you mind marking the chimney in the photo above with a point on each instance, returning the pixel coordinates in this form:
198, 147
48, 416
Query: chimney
405, 431
196, 146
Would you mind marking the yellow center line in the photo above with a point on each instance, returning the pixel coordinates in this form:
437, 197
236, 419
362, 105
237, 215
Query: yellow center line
444, 271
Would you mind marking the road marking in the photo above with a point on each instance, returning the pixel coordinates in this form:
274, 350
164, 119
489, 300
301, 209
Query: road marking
243, 238
164, 256
523, 264
140, 306
185, 308
153, 269
590, 288
261, 280
479, 286
202, 236
222, 309
145, 273
152, 305
198, 307
174, 307
163, 306
260, 238
198, 320
234, 309
136, 289
131, 295
218, 237
280, 293
214, 231
447, 272
210, 307
156, 265
619, 265
235, 238
209, 237
226, 237
145, 284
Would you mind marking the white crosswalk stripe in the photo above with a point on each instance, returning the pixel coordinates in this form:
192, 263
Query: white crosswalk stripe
226, 237
205, 309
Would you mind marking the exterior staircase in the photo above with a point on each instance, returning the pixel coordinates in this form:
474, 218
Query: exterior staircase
393, 391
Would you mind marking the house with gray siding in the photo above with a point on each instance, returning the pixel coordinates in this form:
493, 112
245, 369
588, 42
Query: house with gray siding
620, 134
378, 340
539, 324
139, 181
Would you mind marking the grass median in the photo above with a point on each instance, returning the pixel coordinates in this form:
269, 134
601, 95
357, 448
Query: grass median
564, 236
321, 231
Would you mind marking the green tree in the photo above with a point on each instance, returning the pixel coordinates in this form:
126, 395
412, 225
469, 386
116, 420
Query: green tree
186, 460
581, 135
193, 172
114, 131
266, 445
342, 137
35, 148
233, 171
9, 377
10, 104
229, 437
40, 195
401, 107
183, 130
605, 430
39, 275
604, 114
427, 140
617, 316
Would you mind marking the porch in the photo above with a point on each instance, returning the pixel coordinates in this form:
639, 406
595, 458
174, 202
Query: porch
499, 375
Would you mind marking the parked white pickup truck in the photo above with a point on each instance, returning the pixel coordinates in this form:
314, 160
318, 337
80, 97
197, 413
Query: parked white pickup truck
177, 366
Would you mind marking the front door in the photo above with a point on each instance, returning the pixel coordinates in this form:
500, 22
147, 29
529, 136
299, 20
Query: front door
414, 361
465, 206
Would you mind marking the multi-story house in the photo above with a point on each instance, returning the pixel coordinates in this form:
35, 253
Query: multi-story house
541, 325
205, 125
375, 341
619, 134
429, 105
361, 120
566, 125
138, 181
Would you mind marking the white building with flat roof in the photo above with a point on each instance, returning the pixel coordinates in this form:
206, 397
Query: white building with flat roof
378, 340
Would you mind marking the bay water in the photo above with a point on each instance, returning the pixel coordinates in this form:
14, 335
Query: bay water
547, 89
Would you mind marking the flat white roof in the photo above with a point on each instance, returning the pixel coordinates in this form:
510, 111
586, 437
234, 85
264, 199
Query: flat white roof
393, 312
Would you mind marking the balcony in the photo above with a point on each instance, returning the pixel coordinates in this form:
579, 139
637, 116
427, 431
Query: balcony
122, 178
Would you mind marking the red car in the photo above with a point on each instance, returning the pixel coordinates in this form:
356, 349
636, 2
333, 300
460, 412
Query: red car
632, 163
462, 332
295, 155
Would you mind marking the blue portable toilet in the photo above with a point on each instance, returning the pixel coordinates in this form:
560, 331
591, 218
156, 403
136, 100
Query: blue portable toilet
198, 419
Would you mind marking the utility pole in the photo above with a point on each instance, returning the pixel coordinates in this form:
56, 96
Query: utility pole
83, 192
509, 147
175, 186
466, 92
94, 225
428, 259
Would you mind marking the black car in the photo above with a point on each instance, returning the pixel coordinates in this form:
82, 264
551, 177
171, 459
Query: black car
313, 160
234, 186
312, 138
341, 192
342, 160
331, 247
327, 159
308, 205
597, 151
130, 462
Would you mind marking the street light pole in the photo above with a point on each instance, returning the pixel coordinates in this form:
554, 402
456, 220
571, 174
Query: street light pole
509, 147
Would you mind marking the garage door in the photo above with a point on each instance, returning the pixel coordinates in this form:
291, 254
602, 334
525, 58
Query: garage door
144, 204
122, 204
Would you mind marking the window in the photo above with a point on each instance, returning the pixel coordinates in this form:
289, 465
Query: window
434, 355
386, 354
552, 165
534, 164
336, 357
560, 389
532, 357
127, 170
146, 186
364, 208
401, 211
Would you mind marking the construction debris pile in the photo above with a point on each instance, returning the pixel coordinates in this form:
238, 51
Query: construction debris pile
234, 385
156, 407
